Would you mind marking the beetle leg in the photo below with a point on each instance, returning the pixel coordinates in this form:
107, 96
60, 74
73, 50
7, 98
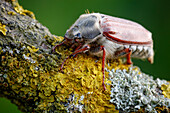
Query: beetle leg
79, 46
63, 42
75, 53
103, 65
128, 57
73, 45
97, 49
126, 52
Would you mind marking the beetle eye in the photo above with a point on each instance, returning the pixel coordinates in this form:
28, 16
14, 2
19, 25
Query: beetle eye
78, 35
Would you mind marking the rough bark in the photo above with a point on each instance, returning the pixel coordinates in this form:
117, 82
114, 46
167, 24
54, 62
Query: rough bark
30, 76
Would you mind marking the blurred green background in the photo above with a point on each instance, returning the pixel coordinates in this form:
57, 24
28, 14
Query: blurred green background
59, 15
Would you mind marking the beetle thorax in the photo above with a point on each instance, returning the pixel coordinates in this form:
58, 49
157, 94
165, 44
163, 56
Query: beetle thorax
110, 47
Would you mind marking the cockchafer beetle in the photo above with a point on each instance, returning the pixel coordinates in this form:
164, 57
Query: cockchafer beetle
110, 38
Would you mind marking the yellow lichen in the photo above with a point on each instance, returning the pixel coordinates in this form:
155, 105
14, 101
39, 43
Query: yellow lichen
162, 109
166, 90
83, 76
2, 29
11, 13
19, 9
57, 39
32, 49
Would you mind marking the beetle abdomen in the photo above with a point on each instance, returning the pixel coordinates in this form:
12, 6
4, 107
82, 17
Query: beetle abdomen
138, 51
142, 52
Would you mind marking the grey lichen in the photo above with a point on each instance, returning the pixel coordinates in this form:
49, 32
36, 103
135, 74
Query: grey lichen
71, 105
22, 29
132, 90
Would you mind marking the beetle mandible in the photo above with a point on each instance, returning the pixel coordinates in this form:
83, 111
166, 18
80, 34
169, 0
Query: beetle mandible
110, 38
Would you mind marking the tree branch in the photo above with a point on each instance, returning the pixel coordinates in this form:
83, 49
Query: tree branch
30, 76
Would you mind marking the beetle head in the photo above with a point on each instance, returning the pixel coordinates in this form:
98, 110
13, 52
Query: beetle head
73, 35
84, 30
